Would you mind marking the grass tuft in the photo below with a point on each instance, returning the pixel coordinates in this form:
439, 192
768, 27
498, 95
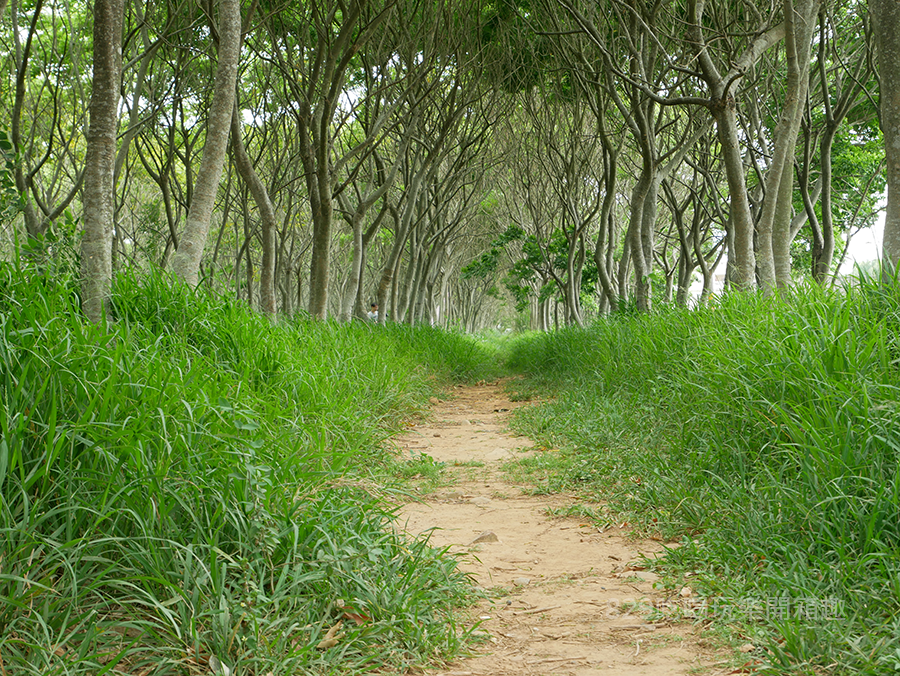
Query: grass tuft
170, 487
762, 434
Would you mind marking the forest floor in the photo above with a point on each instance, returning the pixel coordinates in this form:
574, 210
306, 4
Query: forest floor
561, 596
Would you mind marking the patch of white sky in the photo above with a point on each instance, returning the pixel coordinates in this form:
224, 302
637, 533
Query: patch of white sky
864, 245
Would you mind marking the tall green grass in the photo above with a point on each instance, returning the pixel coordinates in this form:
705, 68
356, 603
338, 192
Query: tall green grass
766, 434
170, 487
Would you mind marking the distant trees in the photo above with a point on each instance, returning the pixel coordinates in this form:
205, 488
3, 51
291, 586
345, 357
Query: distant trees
326, 154
749, 66
46, 112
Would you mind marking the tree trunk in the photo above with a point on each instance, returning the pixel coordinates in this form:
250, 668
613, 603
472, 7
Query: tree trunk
773, 256
886, 17
402, 224
573, 281
352, 290
266, 214
741, 256
352, 302
245, 251
822, 262
636, 241
317, 163
137, 92
606, 237
100, 158
624, 267
186, 261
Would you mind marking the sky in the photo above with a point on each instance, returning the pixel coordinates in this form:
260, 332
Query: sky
864, 246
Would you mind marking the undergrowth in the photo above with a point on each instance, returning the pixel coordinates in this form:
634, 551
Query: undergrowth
173, 490
763, 435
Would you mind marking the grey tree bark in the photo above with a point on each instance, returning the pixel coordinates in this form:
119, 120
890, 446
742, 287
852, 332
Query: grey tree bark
100, 159
742, 258
266, 215
186, 261
886, 19
773, 233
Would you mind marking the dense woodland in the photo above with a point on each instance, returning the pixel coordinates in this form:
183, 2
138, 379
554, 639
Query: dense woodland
187, 487
460, 162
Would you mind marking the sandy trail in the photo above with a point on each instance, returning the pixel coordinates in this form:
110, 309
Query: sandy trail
561, 594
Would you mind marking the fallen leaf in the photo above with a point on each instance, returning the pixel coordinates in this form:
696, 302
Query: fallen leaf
486, 536
331, 638
357, 618
351, 613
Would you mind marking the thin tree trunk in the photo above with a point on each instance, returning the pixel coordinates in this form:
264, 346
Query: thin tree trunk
266, 214
402, 225
138, 91
186, 261
635, 239
246, 250
100, 158
624, 266
35, 226
606, 232
741, 256
319, 184
573, 300
886, 17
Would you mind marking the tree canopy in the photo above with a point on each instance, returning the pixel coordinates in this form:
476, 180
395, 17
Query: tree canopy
320, 155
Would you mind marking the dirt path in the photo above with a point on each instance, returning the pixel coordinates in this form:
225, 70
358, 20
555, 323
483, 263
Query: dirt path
560, 593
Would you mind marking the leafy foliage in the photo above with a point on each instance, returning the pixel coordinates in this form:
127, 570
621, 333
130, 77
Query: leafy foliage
489, 261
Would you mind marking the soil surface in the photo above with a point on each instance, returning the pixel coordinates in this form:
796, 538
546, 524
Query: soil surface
562, 596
